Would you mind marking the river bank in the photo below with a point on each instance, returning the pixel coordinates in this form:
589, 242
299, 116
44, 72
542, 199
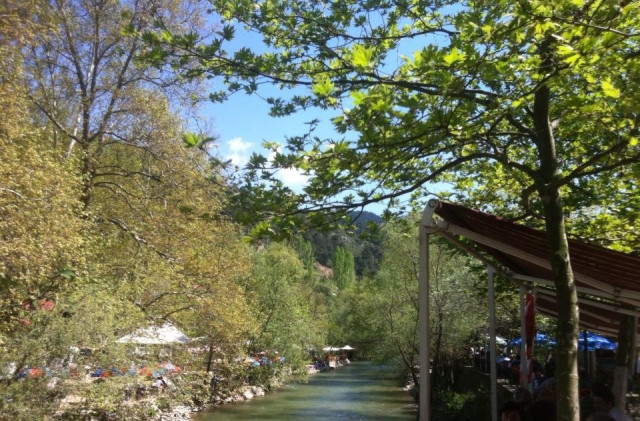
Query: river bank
184, 412
224, 397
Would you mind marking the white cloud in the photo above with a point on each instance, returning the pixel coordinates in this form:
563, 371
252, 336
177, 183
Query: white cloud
293, 178
238, 160
238, 151
238, 145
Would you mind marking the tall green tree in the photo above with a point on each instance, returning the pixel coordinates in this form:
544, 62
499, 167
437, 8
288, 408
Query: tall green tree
306, 256
344, 272
85, 83
282, 308
43, 235
538, 93
108, 222
381, 315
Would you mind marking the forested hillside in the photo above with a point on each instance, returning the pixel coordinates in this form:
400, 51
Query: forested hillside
364, 241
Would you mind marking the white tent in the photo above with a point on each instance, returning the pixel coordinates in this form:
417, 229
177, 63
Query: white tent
156, 335
347, 348
330, 349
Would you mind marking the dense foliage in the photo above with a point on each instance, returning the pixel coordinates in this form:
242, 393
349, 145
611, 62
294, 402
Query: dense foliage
109, 224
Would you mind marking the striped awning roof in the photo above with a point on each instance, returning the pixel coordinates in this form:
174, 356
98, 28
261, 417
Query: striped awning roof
608, 280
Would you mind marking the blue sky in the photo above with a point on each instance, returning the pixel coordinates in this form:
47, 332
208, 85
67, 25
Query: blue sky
242, 123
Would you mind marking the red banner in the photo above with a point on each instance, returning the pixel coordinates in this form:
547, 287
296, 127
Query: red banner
530, 331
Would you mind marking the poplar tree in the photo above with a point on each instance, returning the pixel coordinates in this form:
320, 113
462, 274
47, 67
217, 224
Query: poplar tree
344, 272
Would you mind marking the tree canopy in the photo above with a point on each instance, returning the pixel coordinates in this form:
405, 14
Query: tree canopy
427, 89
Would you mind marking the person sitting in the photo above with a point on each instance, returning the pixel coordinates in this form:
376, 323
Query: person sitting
604, 402
159, 384
547, 389
522, 395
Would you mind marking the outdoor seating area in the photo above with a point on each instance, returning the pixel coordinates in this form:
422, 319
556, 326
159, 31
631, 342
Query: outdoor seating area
595, 362
606, 286
331, 358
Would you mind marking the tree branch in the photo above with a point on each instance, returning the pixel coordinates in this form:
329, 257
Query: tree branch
124, 227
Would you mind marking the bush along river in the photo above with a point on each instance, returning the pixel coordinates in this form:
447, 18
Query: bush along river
358, 391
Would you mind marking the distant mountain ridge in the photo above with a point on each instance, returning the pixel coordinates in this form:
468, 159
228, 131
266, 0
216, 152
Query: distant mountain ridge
364, 243
362, 219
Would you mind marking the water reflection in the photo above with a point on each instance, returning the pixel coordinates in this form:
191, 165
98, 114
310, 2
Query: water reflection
354, 392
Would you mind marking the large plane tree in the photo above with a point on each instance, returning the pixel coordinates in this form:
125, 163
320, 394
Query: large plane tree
531, 102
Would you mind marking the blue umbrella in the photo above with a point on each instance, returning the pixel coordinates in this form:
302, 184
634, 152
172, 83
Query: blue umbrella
541, 339
595, 341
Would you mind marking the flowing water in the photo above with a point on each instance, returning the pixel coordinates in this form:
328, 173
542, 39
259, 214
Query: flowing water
353, 392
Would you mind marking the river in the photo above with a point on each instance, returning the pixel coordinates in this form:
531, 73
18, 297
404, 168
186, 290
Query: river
353, 392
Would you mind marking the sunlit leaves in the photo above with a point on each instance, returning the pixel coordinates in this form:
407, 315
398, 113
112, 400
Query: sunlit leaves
323, 86
190, 139
454, 56
361, 57
415, 93
609, 89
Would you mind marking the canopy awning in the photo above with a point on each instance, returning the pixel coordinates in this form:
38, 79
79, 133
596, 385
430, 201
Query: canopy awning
608, 281
156, 335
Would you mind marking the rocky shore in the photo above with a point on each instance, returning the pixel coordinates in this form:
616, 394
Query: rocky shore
183, 412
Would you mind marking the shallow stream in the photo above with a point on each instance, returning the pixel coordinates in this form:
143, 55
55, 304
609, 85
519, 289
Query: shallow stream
354, 392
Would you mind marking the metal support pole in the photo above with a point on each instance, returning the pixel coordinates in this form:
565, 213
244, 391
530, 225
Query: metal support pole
492, 345
585, 355
423, 303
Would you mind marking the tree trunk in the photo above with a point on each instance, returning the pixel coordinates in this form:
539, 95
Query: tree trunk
436, 373
620, 372
210, 357
567, 397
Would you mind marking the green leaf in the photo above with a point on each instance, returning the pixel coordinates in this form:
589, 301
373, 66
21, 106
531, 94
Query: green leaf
609, 89
454, 55
190, 139
68, 274
361, 56
358, 97
572, 59
128, 29
228, 32
166, 36
323, 86
565, 50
